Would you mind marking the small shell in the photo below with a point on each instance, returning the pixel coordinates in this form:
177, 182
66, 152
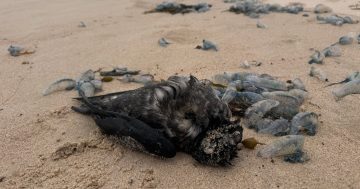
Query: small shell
107, 79
251, 143
62, 84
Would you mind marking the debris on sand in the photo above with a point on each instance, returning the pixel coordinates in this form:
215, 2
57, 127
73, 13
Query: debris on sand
355, 6
253, 8
245, 65
86, 83
107, 79
336, 20
17, 51
60, 85
332, 51
207, 45
318, 73
321, 8
306, 122
143, 79
266, 105
346, 40
318, 58
350, 87
119, 72
142, 114
163, 42
82, 25
288, 146
175, 8
260, 25
351, 77
251, 143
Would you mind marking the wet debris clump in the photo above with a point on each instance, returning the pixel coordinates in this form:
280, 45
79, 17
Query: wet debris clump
318, 73
119, 72
351, 85
85, 83
336, 20
143, 79
289, 147
253, 8
176, 8
18, 51
82, 25
267, 105
207, 45
163, 42
321, 8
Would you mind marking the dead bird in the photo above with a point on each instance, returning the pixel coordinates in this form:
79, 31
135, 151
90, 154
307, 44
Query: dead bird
170, 109
318, 58
175, 8
207, 45
351, 87
17, 51
119, 72
318, 73
86, 83
353, 76
163, 42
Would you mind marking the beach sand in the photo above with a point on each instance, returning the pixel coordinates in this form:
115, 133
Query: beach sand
33, 127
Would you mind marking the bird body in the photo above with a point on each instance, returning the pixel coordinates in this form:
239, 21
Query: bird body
184, 110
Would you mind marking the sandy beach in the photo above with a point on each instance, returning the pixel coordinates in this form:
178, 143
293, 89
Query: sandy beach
117, 33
